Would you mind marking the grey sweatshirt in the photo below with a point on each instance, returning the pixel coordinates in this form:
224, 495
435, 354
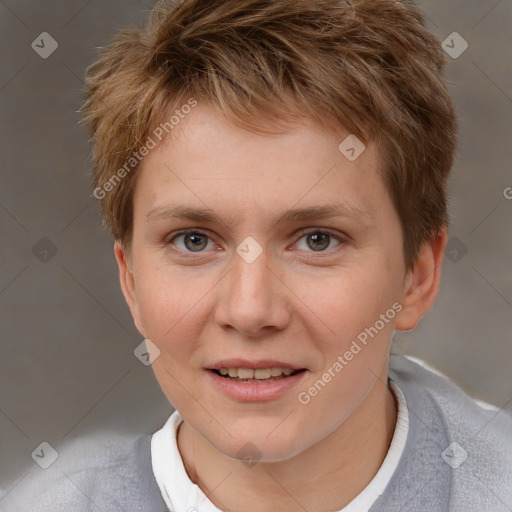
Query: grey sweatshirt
457, 458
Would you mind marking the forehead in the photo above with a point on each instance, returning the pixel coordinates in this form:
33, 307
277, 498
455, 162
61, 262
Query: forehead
211, 168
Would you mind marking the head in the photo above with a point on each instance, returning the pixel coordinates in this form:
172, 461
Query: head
232, 119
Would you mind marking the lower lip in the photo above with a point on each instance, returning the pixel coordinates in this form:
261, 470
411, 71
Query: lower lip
255, 391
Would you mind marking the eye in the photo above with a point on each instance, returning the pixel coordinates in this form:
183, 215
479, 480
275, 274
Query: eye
312, 240
318, 240
192, 241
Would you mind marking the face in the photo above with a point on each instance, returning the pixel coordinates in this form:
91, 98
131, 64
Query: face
265, 276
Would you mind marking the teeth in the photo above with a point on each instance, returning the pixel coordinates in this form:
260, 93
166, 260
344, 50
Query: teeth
243, 373
260, 374
263, 374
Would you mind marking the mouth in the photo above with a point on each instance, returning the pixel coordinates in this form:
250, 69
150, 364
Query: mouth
256, 375
263, 380
248, 384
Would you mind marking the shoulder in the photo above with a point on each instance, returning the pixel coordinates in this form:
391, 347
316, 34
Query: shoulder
103, 472
459, 411
465, 449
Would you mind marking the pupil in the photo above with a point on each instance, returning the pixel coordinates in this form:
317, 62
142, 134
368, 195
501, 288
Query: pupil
197, 243
318, 238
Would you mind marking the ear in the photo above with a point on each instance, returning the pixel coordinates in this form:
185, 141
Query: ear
128, 284
422, 283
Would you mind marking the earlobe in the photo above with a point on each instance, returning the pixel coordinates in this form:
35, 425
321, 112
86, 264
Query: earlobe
422, 283
127, 282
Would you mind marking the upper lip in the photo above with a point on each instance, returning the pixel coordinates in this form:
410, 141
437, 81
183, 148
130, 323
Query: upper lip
260, 364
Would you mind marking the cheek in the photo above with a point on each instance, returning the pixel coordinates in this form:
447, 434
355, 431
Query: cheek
353, 353
345, 303
170, 308
169, 301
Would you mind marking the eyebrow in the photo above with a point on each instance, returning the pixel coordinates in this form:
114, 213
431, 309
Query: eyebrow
297, 214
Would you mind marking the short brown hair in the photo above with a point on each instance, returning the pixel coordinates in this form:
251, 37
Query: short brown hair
369, 66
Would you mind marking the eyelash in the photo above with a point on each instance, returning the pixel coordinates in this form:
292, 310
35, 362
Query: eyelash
308, 231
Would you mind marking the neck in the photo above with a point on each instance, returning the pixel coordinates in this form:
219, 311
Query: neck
343, 464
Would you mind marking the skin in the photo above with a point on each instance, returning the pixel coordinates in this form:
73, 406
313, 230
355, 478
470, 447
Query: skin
292, 304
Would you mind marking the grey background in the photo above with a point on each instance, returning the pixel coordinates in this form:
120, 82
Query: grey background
67, 366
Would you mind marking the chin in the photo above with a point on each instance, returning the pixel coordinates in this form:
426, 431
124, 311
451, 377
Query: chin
251, 449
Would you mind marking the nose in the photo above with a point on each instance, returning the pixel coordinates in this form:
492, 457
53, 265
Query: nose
253, 299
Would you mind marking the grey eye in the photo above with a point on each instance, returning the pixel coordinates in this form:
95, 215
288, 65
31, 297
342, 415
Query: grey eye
192, 242
318, 241
196, 242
